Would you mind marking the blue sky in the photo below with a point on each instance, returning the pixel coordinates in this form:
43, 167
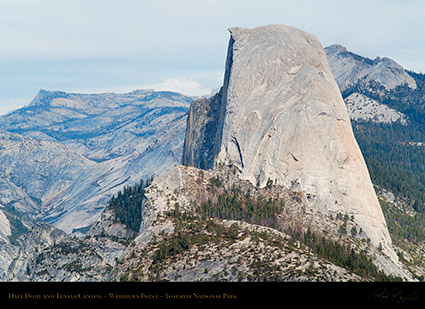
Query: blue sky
94, 46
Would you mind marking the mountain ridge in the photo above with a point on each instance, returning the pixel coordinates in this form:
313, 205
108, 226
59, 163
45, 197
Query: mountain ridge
350, 68
118, 138
195, 222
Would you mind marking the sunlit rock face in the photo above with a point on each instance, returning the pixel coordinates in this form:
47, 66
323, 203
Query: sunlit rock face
280, 118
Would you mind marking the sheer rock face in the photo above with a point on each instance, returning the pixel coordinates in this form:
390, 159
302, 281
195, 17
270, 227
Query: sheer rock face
201, 131
281, 118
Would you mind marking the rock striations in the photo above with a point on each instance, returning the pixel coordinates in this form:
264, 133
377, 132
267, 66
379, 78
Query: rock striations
201, 130
281, 119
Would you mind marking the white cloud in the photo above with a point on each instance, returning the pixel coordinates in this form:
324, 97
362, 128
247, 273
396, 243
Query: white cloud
182, 85
192, 84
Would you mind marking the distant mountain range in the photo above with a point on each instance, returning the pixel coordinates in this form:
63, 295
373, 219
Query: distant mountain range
349, 69
65, 155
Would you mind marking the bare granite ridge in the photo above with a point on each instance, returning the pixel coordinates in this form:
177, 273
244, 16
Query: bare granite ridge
350, 68
363, 108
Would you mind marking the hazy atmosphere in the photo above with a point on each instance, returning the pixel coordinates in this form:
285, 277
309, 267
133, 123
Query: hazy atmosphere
96, 46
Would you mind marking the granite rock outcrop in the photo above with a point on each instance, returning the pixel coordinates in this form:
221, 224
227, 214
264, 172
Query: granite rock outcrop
281, 119
350, 68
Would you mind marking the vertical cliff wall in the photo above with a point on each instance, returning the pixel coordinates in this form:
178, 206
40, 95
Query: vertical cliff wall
280, 117
201, 132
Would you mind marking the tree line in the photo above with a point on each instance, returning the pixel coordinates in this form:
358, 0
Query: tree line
128, 203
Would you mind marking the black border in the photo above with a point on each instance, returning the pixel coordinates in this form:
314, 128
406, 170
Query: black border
199, 293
